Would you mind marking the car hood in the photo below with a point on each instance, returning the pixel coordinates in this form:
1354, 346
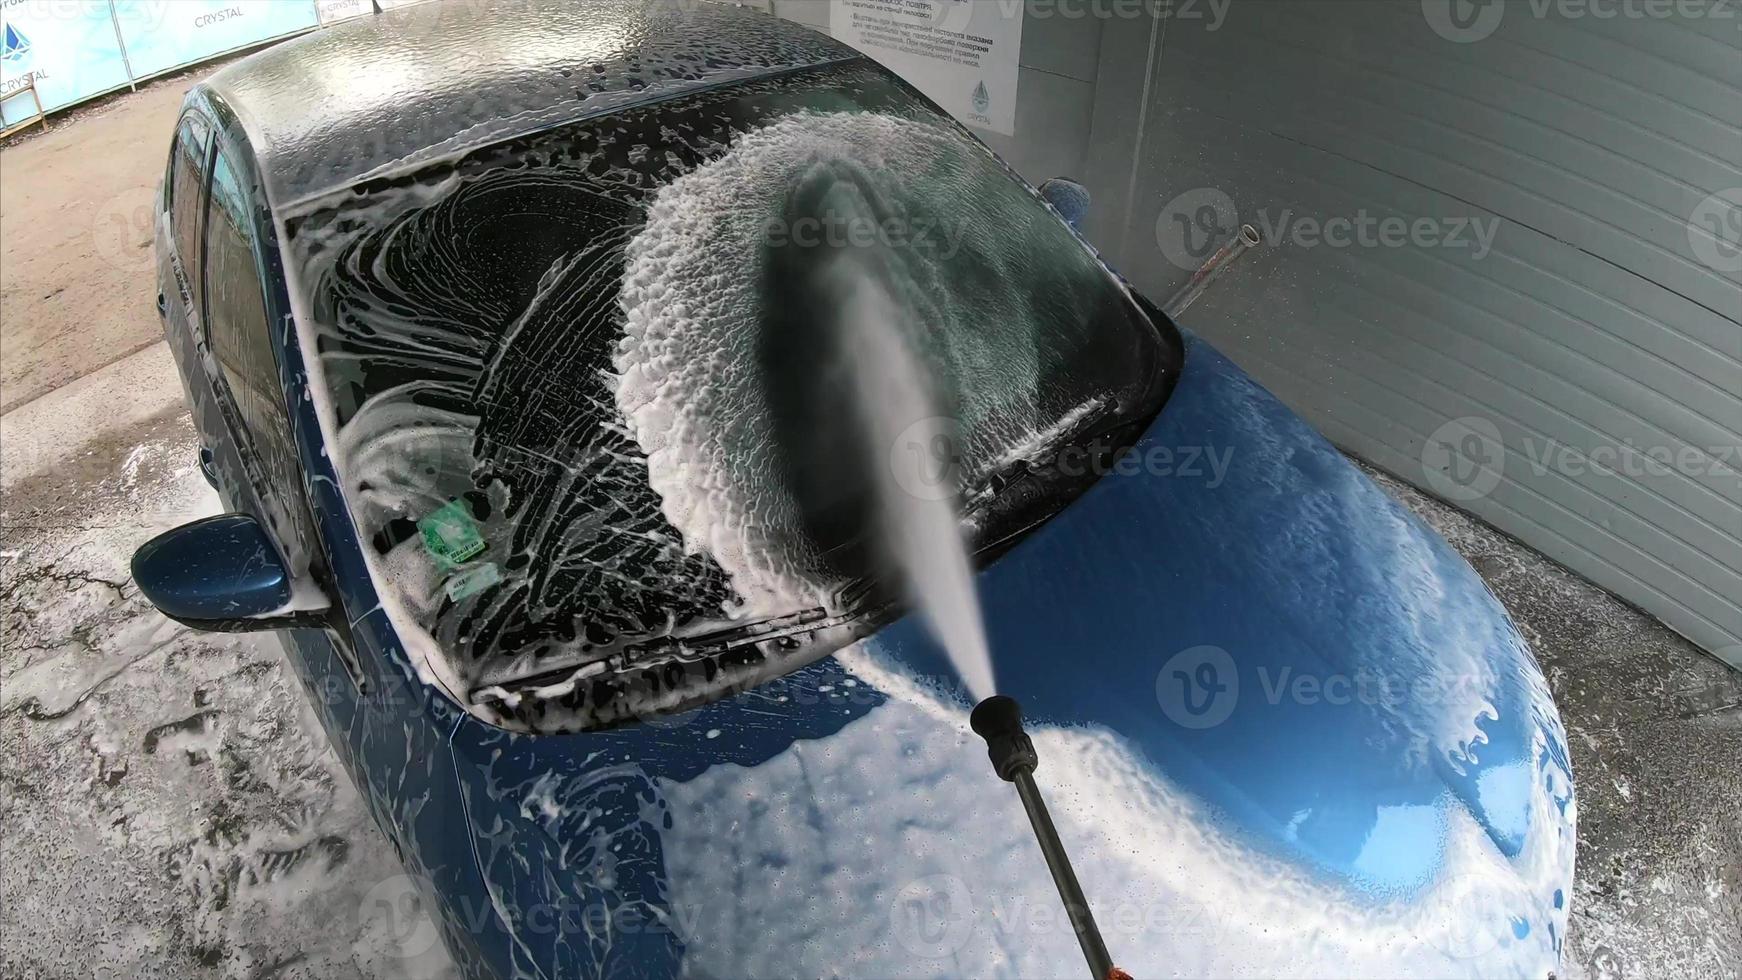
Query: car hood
1283, 729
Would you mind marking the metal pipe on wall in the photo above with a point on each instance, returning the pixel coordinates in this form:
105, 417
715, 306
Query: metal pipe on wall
1211, 270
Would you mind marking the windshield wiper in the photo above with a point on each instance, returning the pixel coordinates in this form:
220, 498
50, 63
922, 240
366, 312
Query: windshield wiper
855, 605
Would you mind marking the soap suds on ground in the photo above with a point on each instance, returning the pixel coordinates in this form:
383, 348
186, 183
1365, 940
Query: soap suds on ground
172, 808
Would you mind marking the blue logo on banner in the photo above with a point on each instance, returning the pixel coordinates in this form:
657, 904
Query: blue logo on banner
17, 45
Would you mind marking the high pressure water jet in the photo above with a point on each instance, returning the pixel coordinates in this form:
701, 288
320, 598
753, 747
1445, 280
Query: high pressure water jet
841, 349
998, 720
849, 384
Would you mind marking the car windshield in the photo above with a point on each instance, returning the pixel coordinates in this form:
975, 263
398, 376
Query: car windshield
550, 360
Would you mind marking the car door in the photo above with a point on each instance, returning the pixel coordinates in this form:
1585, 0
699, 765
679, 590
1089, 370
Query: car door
259, 466
388, 728
217, 311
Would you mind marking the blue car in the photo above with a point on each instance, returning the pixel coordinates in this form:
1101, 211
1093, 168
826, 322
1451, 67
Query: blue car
513, 339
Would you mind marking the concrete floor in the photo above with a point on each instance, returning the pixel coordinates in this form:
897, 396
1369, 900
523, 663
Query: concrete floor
171, 808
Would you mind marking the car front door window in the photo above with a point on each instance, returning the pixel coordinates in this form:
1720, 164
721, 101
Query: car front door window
237, 334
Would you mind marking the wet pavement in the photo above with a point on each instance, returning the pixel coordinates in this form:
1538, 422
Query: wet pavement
172, 808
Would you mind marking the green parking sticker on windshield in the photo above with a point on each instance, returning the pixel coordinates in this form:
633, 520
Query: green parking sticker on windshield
451, 535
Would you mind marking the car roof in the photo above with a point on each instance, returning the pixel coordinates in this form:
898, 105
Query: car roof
403, 88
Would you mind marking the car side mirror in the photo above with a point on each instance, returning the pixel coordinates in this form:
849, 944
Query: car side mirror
220, 574
1069, 198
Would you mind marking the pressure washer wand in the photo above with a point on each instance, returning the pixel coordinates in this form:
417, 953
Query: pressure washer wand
998, 720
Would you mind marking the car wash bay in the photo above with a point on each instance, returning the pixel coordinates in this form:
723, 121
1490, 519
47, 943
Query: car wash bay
121, 730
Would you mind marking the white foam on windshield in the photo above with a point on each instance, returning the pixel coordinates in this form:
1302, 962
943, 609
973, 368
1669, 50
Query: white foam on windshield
647, 477
689, 379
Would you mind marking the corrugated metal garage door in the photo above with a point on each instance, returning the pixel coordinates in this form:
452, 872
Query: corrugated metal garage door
1595, 334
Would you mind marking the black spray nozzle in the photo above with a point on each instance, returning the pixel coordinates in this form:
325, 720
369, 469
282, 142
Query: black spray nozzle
998, 720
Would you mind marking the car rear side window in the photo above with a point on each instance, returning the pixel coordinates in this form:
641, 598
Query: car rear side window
187, 175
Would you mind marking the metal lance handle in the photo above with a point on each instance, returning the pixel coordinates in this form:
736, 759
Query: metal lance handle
998, 720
